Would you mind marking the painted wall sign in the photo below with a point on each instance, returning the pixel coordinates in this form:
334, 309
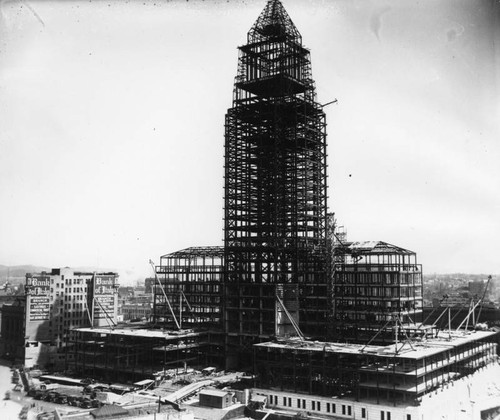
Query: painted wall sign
38, 291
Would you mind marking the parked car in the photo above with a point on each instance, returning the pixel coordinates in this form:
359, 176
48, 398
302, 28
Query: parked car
96, 403
88, 381
51, 396
39, 395
85, 403
61, 399
45, 416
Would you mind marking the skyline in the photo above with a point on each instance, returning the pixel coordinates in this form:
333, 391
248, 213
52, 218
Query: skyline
104, 165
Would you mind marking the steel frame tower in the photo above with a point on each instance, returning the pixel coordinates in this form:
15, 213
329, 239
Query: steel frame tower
275, 191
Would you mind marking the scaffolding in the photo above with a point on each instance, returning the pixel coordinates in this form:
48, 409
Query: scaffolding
275, 183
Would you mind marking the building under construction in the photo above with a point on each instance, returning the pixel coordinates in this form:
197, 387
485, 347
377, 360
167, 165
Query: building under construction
270, 278
376, 285
188, 291
398, 373
321, 321
130, 354
275, 190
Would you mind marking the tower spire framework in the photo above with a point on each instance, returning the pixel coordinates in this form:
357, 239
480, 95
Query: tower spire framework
275, 188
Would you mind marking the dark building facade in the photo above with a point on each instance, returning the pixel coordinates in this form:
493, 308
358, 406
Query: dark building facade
275, 189
12, 329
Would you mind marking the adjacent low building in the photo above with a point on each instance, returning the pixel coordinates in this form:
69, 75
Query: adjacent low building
136, 311
215, 398
54, 304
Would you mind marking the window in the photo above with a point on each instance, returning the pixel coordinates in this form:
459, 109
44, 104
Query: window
408, 417
388, 415
284, 401
303, 403
327, 407
319, 406
289, 401
298, 402
343, 410
313, 405
382, 415
334, 408
349, 410
363, 413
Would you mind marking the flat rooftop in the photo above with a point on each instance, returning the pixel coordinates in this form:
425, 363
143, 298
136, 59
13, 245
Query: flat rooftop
141, 332
419, 349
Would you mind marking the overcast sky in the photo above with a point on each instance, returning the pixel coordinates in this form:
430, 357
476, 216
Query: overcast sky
112, 126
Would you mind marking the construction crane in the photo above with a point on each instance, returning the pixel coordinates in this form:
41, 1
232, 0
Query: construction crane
472, 308
291, 319
165, 295
482, 300
329, 103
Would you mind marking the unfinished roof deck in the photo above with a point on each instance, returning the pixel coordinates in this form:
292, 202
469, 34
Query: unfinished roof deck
146, 333
417, 350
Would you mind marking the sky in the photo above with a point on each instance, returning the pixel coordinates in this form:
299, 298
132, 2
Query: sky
112, 126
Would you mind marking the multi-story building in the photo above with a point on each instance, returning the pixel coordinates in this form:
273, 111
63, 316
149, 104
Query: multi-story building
329, 327
149, 285
12, 329
135, 303
136, 311
188, 292
399, 374
477, 288
134, 353
376, 285
275, 189
55, 304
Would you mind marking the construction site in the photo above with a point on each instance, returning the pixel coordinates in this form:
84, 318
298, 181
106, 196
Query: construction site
323, 325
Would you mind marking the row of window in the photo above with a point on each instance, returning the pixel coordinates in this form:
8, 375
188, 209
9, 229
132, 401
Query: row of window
68, 290
67, 281
372, 277
76, 305
316, 405
345, 409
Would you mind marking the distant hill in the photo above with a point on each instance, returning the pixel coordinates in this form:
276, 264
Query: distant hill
17, 273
